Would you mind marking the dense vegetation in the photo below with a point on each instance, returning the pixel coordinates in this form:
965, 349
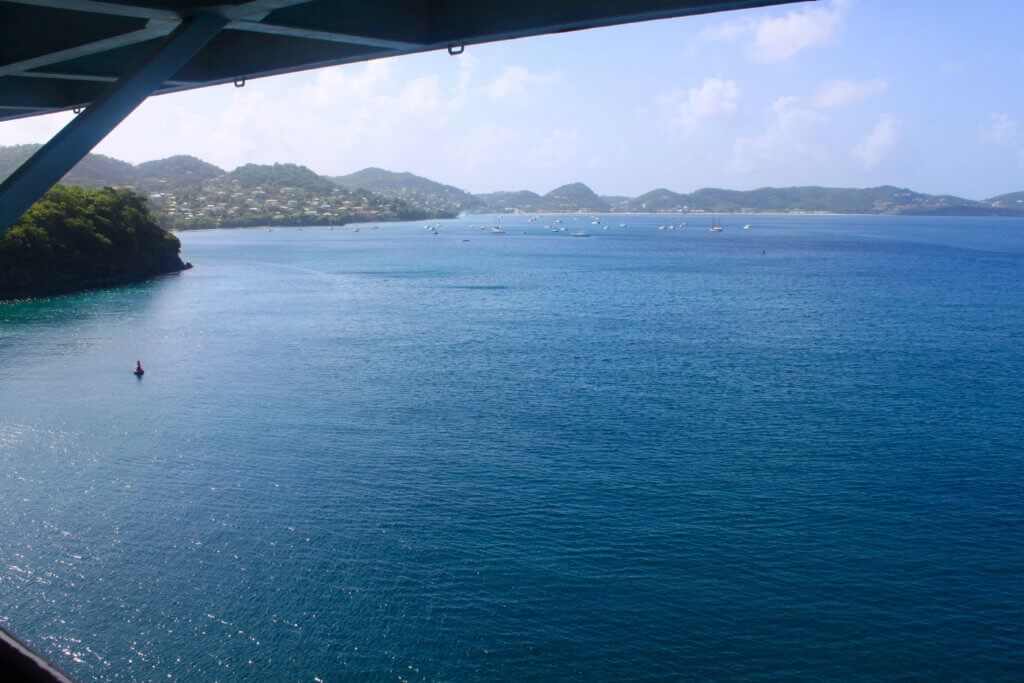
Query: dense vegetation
95, 170
175, 172
574, 197
416, 190
76, 238
277, 176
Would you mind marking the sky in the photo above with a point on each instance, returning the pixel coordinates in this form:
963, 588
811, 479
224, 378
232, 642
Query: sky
925, 94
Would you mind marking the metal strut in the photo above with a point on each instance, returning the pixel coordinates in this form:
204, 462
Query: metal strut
52, 161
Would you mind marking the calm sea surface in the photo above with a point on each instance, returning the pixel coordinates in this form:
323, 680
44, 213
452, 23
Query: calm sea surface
790, 452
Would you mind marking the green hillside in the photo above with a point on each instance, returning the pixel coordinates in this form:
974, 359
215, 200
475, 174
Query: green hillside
76, 238
502, 202
886, 199
175, 172
423, 192
574, 197
656, 201
277, 176
185, 192
96, 170
1013, 200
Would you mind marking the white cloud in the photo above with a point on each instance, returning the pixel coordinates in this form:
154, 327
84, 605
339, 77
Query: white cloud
778, 38
515, 81
558, 150
877, 143
728, 31
1001, 130
334, 120
789, 139
844, 93
686, 110
791, 111
34, 129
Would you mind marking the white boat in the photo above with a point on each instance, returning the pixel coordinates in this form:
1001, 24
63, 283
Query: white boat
715, 226
747, 226
661, 227
356, 230
498, 230
623, 225
579, 234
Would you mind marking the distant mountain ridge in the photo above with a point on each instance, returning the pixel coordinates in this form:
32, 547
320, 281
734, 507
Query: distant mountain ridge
184, 192
409, 187
812, 199
1009, 201
176, 171
577, 197
259, 192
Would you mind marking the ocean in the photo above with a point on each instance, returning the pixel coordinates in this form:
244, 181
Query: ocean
789, 452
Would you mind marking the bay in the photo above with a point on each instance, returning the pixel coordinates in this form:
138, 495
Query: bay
792, 451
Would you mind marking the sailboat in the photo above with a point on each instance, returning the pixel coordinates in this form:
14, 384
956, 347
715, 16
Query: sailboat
716, 226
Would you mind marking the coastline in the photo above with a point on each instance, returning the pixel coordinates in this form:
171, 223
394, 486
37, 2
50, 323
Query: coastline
92, 285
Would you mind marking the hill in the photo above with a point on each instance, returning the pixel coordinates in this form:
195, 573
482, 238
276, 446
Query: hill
275, 194
175, 172
614, 200
507, 202
970, 210
186, 192
96, 170
885, 199
76, 238
1013, 200
574, 197
279, 176
565, 199
656, 201
417, 190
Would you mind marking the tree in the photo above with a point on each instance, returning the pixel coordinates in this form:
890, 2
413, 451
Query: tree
74, 238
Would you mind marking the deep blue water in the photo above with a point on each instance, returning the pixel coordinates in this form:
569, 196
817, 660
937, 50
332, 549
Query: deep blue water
643, 455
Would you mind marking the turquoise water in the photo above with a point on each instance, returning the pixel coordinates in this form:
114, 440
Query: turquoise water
789, 452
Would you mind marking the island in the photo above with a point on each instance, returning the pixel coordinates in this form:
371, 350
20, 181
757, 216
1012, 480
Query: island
76, 238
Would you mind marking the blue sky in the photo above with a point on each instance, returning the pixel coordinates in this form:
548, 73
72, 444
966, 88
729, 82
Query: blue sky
927, 94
